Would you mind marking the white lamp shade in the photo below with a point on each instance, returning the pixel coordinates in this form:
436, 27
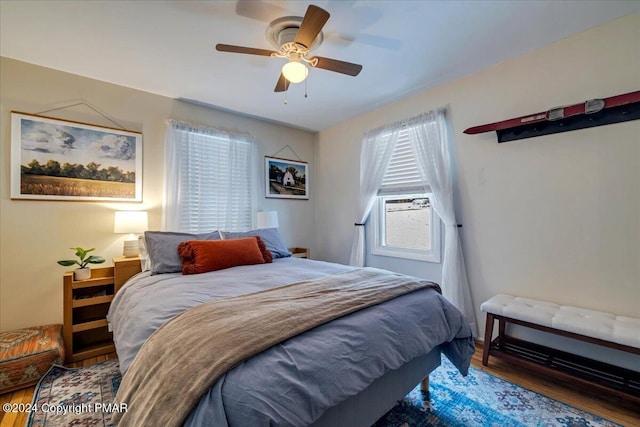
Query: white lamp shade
295, 71
268, 219
130, 222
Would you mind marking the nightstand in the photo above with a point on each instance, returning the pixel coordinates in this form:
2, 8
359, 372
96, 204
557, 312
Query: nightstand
299, 252
86, 303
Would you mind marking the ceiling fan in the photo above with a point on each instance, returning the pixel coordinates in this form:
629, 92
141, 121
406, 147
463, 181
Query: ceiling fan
294, 38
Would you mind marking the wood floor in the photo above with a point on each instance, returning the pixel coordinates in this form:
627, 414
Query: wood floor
616, 410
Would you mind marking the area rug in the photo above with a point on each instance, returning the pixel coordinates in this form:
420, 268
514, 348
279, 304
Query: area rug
76, 397
480, 399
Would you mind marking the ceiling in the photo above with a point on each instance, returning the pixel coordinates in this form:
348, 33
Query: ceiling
167, 47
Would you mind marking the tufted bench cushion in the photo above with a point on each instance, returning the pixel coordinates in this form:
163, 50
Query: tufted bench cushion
609, 327
27, 354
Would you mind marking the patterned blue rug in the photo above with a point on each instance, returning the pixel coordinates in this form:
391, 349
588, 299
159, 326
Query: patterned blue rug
480, 400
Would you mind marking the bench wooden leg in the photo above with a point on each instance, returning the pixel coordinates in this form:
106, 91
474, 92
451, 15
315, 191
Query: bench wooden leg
424, 387
488, 334
501, 327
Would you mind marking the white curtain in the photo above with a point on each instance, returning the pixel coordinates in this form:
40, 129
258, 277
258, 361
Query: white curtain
376, 151
432, 154
209, 179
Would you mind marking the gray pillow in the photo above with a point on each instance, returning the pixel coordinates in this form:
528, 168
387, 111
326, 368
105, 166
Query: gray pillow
269, 236
162, 247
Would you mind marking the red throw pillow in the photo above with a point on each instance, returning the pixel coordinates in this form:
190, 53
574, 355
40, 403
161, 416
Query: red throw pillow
266, 253
200, 256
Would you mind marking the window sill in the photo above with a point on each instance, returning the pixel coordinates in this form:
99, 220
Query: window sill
406, 254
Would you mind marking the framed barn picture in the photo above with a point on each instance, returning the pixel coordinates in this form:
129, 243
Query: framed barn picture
286, 179
53, 159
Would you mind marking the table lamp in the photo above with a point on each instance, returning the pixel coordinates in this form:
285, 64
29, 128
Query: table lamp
268, 219
130, 222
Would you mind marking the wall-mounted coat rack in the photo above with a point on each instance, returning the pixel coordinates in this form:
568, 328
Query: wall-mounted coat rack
594, 112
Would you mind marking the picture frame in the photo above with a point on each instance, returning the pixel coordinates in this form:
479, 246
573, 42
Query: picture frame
55, 159
286, 179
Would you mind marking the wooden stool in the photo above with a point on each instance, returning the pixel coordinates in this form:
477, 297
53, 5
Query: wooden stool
27, 354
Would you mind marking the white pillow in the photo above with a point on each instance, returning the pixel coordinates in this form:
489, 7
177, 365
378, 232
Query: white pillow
145, 261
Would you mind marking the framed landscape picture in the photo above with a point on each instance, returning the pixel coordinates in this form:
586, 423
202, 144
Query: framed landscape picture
53, 159
286, 179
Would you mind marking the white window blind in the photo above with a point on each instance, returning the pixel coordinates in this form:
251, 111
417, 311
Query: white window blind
402, 175
213, 180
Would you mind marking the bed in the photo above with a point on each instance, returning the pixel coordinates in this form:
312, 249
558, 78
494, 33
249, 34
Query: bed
348, 371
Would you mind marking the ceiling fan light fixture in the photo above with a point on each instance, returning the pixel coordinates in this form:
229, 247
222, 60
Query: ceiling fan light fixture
295, 71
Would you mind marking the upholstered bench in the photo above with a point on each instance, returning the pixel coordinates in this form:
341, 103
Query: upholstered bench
596, 327
27, 354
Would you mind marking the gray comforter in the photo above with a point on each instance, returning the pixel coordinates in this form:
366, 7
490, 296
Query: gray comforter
294, 382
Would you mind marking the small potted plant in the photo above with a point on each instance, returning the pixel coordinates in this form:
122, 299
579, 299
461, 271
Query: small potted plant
83, 272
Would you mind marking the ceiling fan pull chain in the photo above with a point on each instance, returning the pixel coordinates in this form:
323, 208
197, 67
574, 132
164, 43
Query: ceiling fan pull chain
305, 87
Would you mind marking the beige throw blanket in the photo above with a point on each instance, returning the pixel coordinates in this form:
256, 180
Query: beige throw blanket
184, 357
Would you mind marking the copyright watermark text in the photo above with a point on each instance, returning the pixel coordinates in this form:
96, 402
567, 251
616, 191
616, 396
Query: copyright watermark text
64, 409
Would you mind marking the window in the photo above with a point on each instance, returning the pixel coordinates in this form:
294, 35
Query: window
210, 180
403, 221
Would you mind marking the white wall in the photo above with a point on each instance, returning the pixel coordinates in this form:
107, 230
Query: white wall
35, 234
554, 217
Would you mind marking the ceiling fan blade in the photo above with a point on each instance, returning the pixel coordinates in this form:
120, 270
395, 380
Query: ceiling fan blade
282, 85
338, 66
312, 23
241, 49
